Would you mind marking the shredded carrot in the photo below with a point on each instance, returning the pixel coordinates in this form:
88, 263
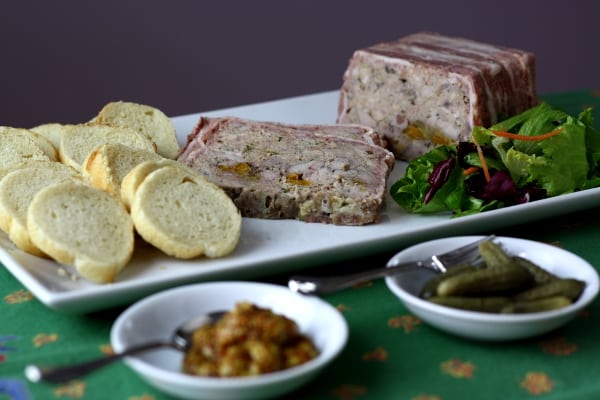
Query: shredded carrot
470, 170
486, 171
516, 136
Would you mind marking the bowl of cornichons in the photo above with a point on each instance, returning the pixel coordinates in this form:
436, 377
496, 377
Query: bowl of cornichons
515, 289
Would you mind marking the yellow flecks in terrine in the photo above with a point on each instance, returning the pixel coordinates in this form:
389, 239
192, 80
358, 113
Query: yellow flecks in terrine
239, 168
296, 179
418, 131
440, 139
414, 132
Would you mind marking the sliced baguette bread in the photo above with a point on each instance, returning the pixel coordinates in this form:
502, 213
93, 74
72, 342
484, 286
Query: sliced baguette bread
150, 121
17, 189
7, 169
84, 227
182, 214
18, 145
106, 166
52, 131
136, 175
78, 141
43, 143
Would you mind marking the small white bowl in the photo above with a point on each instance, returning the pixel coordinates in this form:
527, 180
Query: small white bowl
488, 326
157, 316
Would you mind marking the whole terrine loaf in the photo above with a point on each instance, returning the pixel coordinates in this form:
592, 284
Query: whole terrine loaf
427, 89
314, 173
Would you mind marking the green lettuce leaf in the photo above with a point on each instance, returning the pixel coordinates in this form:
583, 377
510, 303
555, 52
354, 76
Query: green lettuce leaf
564, 163
410, 190
558, 164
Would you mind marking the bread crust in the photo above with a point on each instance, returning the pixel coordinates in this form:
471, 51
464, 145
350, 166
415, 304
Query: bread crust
182, 214
17, 190
18, 145
147, 120
78, 141
107, 165
51, 131
82, 226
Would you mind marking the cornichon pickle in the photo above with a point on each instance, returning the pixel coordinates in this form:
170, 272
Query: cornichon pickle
507, 284
430, 287
493, 254
546, 304
490, 304
540, 275
489, 280
569, 288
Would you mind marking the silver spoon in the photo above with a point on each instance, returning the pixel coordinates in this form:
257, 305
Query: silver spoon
180, 340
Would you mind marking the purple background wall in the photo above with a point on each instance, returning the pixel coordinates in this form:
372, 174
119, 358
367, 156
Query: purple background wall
62, 60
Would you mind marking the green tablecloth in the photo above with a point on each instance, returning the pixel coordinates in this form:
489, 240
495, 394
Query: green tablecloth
390, 353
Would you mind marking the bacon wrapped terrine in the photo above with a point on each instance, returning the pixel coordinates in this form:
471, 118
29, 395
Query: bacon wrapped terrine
315, 173
427, 89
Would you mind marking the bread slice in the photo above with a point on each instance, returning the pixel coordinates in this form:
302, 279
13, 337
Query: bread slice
150, 121
52, 131
18, 145
183, 214
84, 227
78, 141
107, 165
7, 169
43, 143
30, 162
17, 189
136, 176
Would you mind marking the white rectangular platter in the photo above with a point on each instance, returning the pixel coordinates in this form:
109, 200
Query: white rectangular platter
268, 247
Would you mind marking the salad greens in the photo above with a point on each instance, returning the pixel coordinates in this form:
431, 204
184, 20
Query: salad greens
539, 153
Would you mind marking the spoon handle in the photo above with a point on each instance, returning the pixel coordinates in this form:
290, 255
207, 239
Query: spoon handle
62, 374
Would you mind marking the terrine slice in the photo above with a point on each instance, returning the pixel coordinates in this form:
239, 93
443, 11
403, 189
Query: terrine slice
315, 173
427, 89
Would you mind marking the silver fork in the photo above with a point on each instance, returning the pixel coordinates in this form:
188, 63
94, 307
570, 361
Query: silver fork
438, 263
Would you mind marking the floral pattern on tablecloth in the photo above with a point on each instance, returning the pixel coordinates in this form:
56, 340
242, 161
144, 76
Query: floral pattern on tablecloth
18, 296
74, 390
537, 383
559, 346
407, 323
379, 354
458, 368
349, 392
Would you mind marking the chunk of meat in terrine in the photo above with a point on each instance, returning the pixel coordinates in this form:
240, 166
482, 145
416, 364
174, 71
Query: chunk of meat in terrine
427, 89
314, 173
